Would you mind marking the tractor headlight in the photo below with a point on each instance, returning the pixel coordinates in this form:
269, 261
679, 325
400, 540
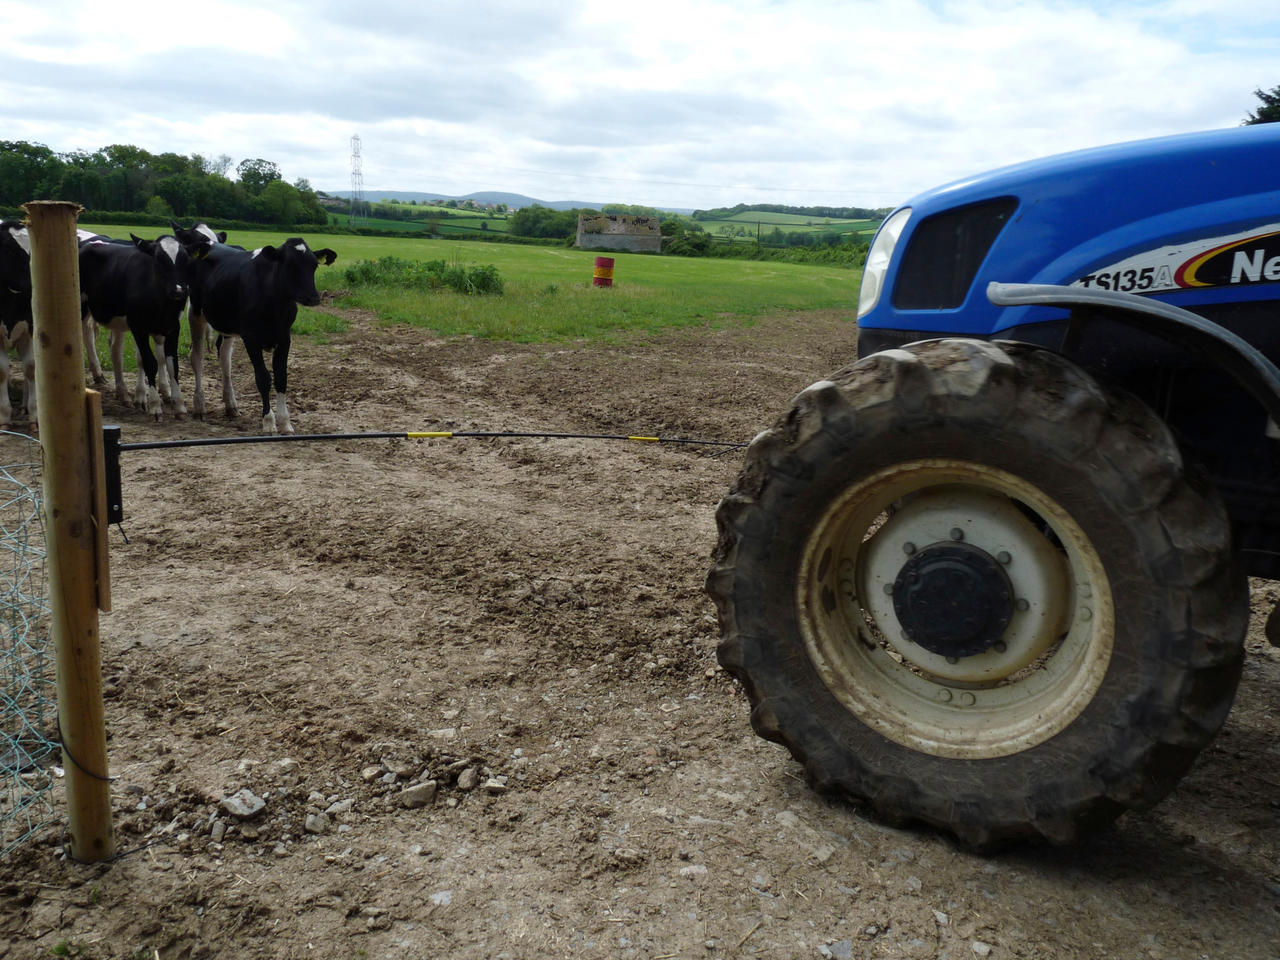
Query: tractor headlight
878, 260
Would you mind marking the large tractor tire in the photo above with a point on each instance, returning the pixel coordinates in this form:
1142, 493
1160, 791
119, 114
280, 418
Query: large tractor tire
965, 584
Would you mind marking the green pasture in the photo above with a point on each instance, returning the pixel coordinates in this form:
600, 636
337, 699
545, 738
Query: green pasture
423, 210
549, 294
405, 226
778, 219
788, 223
446, 222
471, 225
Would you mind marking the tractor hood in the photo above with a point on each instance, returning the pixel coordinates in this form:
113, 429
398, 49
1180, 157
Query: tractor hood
1189, 219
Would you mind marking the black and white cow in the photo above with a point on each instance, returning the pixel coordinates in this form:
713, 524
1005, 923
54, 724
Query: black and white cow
89, 328
253, 296
15, 317
141, 287
191, 235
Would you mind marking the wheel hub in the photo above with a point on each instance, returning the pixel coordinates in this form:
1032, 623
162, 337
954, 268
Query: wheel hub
953, 599
966, 548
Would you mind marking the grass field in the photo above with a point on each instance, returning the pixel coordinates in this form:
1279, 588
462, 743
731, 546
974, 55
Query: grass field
766, 222
549, 295
406, 226
446, 222
784, 219
741, 226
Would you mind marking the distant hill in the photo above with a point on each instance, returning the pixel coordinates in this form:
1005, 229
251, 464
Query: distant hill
514, 201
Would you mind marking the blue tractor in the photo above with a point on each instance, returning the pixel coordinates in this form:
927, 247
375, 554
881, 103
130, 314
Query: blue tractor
992, 576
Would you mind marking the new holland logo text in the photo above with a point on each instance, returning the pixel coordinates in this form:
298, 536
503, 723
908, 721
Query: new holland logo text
1243, 258
1256, 260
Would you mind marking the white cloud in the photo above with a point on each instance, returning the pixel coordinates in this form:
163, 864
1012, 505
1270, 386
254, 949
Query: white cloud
674, 102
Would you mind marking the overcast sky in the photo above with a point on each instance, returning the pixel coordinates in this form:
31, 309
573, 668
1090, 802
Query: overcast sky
673, 103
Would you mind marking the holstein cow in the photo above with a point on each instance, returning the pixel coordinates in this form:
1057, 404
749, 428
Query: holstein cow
253, 296
141, 287
194, 234
89, 327
15, 317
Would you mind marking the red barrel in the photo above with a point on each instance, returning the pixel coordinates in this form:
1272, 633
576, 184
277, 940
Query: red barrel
602, 276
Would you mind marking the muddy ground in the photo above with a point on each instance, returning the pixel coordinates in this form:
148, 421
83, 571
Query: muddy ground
330, 625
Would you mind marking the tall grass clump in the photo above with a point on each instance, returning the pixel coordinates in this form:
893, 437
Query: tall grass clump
424, 275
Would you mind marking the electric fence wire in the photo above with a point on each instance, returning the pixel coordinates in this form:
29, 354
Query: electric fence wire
421, 435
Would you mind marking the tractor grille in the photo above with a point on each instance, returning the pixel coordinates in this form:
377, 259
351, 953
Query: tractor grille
945, 252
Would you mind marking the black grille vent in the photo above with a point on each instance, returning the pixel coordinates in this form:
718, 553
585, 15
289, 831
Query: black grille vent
945, 252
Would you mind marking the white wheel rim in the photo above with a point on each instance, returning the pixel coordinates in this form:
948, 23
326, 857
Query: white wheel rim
1051, 658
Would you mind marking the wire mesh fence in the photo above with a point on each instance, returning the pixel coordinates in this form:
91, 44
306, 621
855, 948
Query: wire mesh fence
27, 681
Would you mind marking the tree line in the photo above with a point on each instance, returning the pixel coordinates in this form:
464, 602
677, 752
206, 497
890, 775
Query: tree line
127, 179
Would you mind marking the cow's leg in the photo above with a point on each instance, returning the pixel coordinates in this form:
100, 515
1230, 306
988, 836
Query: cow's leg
167, 373
115, 336
196, 322
280, 372
225, 347
140, 385
262, 377
170, 364
89, 334
162, 369
6, 408
27, 354
179, 404
147, 364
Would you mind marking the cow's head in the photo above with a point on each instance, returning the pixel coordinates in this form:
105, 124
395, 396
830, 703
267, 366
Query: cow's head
295, 265
170, 263
198, 231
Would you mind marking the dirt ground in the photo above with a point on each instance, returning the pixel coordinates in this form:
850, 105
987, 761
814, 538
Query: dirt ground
332, 625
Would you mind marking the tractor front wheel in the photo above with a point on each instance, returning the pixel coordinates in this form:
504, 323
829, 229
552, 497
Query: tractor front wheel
966, 584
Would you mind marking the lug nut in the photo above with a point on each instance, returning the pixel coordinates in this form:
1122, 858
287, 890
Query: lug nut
1022, 604
908, 548
999, 646
1003, 558
888, 589
957, 533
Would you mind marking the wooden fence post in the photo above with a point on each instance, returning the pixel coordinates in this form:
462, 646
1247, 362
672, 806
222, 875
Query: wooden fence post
71, 532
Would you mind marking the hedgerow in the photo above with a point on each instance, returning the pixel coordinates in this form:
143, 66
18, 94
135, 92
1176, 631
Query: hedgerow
428, 275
